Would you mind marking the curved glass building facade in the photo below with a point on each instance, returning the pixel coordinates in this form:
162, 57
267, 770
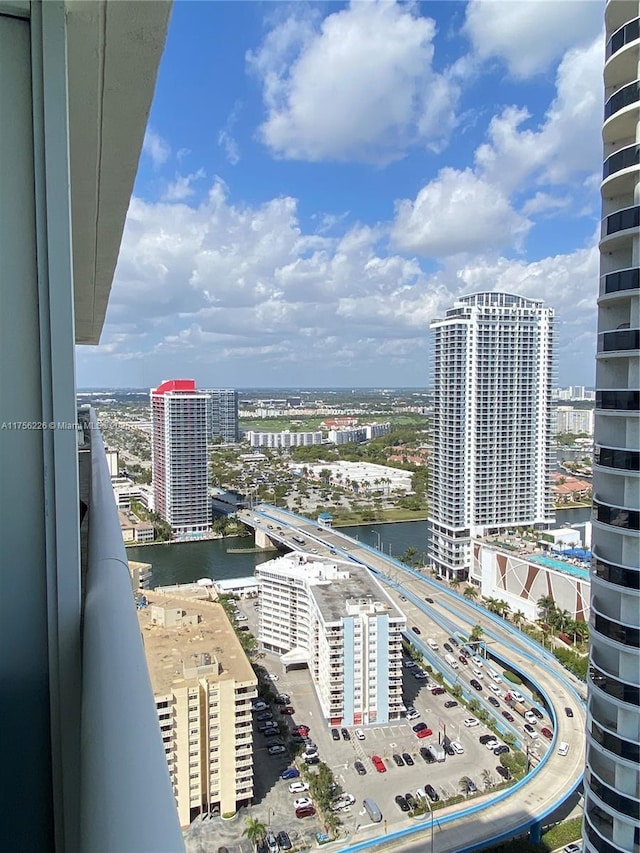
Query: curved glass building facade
612, 776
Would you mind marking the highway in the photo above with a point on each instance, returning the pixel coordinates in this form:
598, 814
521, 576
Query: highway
496, 816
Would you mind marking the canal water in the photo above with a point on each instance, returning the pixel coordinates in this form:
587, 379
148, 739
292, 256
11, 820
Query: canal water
189, 561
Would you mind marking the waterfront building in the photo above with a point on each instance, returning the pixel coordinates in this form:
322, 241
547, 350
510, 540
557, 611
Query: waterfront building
336, 618
222, 416
612, 776
576, 421
203, 685
179, 456
491, 423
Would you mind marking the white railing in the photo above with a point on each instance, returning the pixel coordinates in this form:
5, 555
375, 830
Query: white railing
127, 804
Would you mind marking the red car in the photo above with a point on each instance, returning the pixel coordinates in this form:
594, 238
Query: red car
378, 763
424, 733
462, 659
305, 811
437, 691
301, 730
547, 733
288, 709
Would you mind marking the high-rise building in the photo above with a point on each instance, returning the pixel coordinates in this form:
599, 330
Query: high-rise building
223, 414
612, 777
491, 423
203, 685
179, 455
338, 620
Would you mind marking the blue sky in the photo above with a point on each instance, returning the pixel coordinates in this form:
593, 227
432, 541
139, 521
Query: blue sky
319, 181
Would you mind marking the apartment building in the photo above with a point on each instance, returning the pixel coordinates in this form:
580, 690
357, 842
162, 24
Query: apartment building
576, 421
612, 774
179, 456
222, 415
285, 438
203, 685
336, 618
491, 423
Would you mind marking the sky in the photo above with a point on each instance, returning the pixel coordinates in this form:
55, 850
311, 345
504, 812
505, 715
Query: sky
320, 181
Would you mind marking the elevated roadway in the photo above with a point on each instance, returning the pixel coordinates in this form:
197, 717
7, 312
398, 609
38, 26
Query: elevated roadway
513, 811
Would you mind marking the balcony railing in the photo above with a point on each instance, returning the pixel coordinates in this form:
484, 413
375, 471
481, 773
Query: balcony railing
127, 802
626, 34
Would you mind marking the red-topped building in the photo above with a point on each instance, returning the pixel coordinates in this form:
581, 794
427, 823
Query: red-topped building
179, 455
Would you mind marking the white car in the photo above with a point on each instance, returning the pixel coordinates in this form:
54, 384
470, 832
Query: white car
563, 748
517, 696
494, 688
359, 734
478, 673
298, 787
530, 717
477, 660
343, 802
273, 677
409, 663
412, 714
421, 794
470, 722
457, 747
259, 705
301, 802
492, 744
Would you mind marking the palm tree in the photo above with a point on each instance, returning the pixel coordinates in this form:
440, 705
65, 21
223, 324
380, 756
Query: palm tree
470, 592
518, 616
546, 604
455, 582
505, 609
408, 556
331, 822
476, 633
255, 830
564, 618
487, 778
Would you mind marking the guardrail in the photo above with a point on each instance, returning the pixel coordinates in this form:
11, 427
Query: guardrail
127, 803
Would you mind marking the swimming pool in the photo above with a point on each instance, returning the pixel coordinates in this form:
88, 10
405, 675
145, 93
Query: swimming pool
560, 566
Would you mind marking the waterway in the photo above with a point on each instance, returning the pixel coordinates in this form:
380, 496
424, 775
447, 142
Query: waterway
189, 561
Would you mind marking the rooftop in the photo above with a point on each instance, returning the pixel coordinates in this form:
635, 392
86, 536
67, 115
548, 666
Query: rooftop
170, 650
336, 585
560, 557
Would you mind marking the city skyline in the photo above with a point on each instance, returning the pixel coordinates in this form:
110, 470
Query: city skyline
304, 241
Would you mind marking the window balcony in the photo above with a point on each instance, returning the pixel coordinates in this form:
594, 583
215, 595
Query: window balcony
618, 340
621, 281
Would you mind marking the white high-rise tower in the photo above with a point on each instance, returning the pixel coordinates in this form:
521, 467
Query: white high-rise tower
491, 425
612, 775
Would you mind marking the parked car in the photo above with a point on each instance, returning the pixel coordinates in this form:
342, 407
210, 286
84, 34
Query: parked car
284, 841
451, 703
419, 727
431, 792
398, 759
493, 701
312, 759
301, 802
470, 786
259, 705
408, 760
502, 749
335, 734
402, 804
503, 771
457, 747
470, 722
415, 629
282, 699
408, 664
360, 768
298, 787
305, 811
507, 716
547, 732
301, 730
437, 691
410, 799
271, 733
360, 734
475, 684
290, 773
276, 749
486, 738
345, 734
288, 710
378, 763
421, 794
492, 744
423, 733
272, 843
412, 714
426, 753
344, 801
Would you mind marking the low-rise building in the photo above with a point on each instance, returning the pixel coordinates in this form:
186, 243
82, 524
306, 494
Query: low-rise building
285, 438
335, 617
203, 685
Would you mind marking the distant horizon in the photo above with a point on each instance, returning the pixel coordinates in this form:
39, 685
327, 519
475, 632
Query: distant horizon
299, 388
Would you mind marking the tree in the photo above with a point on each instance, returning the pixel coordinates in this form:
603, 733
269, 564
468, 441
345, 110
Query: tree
408, 556
487, 778
331, 822
476, 633
455, 582
255, 830
518, 616
546, 605
470, 592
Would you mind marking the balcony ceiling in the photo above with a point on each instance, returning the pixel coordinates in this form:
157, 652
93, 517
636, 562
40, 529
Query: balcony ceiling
113, 54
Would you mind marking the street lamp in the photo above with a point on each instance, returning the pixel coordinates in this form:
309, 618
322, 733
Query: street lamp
431, 813
379, 540
270, 811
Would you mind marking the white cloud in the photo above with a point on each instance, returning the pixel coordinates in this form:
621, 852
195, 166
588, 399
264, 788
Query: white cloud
226, 139
456, 213
545, 203
567, 144
182, 187
529, 35
155, 147
356, 86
